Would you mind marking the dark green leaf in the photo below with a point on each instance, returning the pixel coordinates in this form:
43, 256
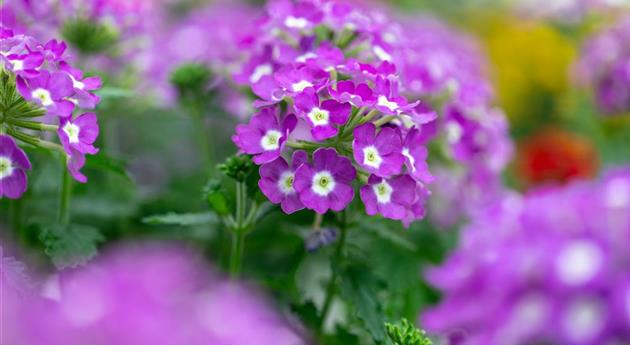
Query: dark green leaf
102, 161
181, 219
70, 246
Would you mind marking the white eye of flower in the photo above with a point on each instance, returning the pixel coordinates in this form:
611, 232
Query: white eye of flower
382, 54
578, 262
300, 86
72, 131
77, 84
318, 116
271, 140
583, 320
383, 192
412, 161
18, 65
304, 57
6, 167
454, 132
43, 96
384, 102
285, 183
259, 72
296, 23
323, 183
371, 157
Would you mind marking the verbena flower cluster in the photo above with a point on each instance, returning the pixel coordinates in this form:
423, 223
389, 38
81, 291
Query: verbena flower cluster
604, 66
552, 267
470, 137
40, 91
144, 295
332, 113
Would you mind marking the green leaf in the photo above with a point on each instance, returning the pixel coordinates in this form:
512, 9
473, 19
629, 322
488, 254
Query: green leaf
181, 219
359, 286
406, 334
308, 314
72, 245
102, 161
108, 92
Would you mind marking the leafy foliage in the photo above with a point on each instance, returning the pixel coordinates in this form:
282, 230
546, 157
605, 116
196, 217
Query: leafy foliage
72, 245
181, 219
406, 334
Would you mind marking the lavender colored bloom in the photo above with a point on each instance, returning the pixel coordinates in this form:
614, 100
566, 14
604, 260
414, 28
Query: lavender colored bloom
13, 162
322, 115
82, 86
359, 95
74, 163
49, 90
264, 136
380, 154
318, 238
79, 134
388, 100
416, 156
276, 182
390, 197
327, 182
25, 65
547, 267
294, 80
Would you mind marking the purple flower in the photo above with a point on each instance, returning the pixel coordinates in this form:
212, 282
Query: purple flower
380, 154
294, 80
416, 156
79, 134
49, 90
392, 197
327, 182
264, 137
25, 65
388, 100
547, 267
359, 95
13, 162
277, 179
82, 86
322, 116
74, 163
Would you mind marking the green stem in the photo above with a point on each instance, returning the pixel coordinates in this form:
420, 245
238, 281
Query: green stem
304, 145
369, 116
236, 254
65, 193
384, 120
331, 289
38, 126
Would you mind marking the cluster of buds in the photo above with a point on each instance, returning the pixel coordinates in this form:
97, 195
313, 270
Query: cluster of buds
331, 114
40, 92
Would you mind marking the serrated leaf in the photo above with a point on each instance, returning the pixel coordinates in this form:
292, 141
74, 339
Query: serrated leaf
181, 219
102, 161
359, 286
72, 245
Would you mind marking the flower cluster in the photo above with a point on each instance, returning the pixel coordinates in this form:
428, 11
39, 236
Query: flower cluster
39, 92
470, 135
331, 113
551, 267
604, 67
144, 295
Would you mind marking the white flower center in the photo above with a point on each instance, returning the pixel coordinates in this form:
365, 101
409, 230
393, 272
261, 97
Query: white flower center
583, 320
6, 167
454, 132
371, 157
285, 183
18, 65
77, 84
323, 183
382, 54
578, 262
259, 72
319, 116
383, 192
72, 131
300, 86
412, 161
384, 102
271, 140
295, 22
43, 96
304, 57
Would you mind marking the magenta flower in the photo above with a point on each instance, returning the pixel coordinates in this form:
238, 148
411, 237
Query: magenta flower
388, 100
294, 79
327, 182
416, 154
322, 116
264, 136
359, 95
49, 90
392, 197
79, 134
277, 182
74, 163
25, 65
82, 86
380, 154
13, 162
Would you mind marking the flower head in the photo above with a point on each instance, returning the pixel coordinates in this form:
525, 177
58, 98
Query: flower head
381, 153
79, 134
13, 163
393, 198
277, 181
324, 116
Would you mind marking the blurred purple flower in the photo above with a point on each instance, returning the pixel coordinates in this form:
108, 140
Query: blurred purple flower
13, 162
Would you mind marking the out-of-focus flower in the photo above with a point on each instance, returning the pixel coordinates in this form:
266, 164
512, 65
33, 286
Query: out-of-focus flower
548, 267
39, 93
147, 295
555, 155
605, 67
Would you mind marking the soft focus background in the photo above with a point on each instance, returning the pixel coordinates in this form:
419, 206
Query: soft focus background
160, 140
